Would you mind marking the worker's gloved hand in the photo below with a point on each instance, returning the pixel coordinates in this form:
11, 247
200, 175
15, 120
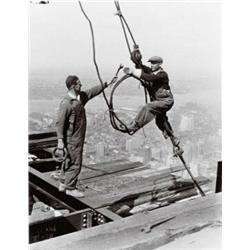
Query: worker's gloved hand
136, 57
128, 70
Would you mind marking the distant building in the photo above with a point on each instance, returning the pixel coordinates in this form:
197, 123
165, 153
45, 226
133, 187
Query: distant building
198, 148
133, 144
172, 161
129, 145
194, 168
188, 148
160, 154
187, 123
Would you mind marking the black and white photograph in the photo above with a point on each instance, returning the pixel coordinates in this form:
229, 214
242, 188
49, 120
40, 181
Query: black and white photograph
125, 125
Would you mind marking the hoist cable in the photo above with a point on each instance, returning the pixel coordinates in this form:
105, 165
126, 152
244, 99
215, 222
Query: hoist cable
123, 21
126, 37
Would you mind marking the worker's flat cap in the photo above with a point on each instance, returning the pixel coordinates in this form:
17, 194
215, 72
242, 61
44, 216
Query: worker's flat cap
155, 59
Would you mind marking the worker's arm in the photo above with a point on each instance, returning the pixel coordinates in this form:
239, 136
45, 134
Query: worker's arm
146, 69
149, 78
143, 67
153, 77
94, 91
63, 114
136, 59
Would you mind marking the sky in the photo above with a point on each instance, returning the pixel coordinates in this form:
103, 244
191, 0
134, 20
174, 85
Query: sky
186, 34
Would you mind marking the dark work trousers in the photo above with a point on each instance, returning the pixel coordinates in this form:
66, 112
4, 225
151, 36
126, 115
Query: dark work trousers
73, 165
71, 127
155, 110
74, 144
163, 124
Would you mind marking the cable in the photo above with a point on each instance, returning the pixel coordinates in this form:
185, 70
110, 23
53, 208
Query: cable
94, 51
124, 23
113, 117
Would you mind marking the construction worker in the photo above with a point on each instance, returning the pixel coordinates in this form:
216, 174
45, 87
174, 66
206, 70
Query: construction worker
156, 82
71, 127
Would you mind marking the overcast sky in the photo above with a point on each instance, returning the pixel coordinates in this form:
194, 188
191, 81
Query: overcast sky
185, 33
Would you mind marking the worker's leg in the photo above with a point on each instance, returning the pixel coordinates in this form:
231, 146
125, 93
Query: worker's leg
164, 125
73, 168
72, 171
146, 115
166, 128
151, 110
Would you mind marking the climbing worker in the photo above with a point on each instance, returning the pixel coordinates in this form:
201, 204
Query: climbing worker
156, 81
71, 127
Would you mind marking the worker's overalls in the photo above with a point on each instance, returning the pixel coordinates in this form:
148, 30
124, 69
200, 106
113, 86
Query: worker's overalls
71, 127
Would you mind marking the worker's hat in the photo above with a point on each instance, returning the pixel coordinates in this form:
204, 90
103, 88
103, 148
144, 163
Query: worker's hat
155, 59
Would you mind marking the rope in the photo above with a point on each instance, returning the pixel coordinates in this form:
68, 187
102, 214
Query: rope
94, 50
124, 23
113, 117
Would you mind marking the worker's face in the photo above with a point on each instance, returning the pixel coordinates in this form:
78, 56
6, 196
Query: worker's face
78, 86
155, 66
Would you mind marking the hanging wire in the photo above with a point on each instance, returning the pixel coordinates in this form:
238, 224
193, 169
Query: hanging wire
113, 116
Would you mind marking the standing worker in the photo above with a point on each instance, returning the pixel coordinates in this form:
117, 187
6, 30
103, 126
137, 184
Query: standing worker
71, 127
156, 82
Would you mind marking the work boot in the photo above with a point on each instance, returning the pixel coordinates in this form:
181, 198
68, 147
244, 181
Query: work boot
165, 134
177, 151
75, 193
133, 126
175, 141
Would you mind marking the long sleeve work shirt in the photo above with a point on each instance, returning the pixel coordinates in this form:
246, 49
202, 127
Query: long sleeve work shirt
71, 120
158, 82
